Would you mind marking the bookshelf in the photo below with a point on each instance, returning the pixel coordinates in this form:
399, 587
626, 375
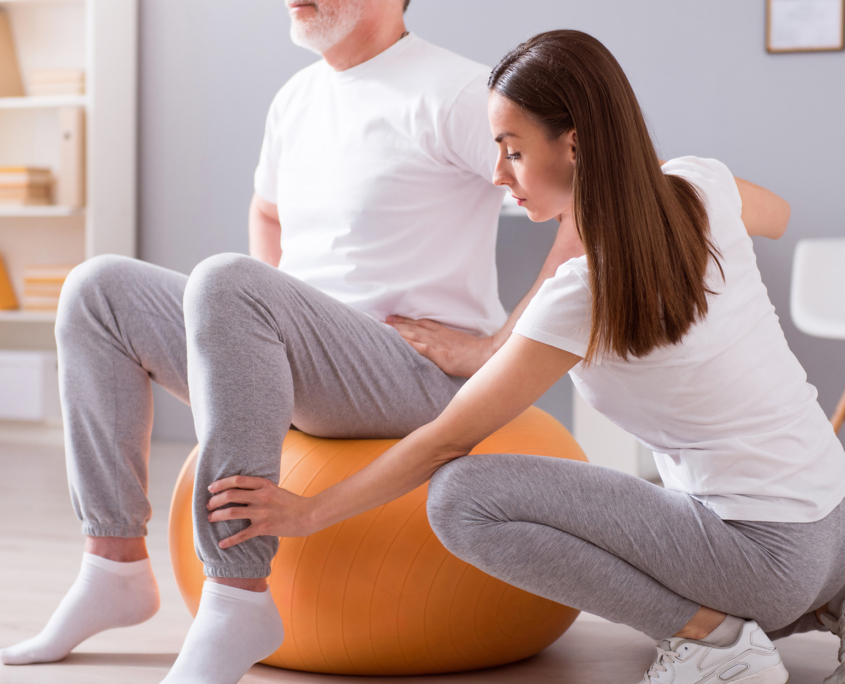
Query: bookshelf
43, 102
99, 37
27, 316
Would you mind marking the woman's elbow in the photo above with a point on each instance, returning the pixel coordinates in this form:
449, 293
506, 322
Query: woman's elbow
783, 220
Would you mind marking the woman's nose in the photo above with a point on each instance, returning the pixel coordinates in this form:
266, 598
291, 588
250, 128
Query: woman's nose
500, 177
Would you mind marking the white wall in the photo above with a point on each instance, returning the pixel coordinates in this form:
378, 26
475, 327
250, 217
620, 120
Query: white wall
209, 69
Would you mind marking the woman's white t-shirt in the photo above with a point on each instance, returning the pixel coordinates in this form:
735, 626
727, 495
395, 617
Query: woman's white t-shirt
728, 411
383, 179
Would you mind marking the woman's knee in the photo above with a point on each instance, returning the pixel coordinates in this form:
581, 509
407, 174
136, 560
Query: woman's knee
452, 505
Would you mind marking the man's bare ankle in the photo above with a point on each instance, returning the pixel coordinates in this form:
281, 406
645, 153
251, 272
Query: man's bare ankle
120, 549
247, 583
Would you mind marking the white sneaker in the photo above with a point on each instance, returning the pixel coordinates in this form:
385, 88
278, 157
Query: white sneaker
753, 659
837, 626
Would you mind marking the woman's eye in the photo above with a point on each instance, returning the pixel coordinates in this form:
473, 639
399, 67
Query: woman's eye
513, 156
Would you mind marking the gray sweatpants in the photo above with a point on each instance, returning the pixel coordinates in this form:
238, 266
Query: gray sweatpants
630, 551
252, 350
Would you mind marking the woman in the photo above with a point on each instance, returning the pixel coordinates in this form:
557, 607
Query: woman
667, 329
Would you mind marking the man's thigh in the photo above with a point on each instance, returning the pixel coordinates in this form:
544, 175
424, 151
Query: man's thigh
352, 376
355, 377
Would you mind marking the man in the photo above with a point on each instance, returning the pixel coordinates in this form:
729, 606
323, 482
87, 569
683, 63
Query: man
377, 161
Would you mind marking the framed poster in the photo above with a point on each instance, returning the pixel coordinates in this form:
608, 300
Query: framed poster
805, 25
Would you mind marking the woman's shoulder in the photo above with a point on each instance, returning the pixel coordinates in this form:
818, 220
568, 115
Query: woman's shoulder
711, 177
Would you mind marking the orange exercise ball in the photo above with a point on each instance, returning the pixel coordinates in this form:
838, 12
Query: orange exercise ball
378, 594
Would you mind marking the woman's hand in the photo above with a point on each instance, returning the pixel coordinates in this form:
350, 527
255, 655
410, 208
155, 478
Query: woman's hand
455, 353
271, 510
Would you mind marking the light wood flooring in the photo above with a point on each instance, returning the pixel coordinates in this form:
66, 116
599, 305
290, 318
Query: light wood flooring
40, 550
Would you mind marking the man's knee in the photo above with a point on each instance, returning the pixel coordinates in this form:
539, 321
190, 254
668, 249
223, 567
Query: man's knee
216, 280
87, 286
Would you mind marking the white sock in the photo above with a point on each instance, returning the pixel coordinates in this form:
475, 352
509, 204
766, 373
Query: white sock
726, 634
233, 630
106, 594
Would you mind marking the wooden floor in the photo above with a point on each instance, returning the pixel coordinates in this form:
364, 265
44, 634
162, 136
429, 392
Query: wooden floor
40, 550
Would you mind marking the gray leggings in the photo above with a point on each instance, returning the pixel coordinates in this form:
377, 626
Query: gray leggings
630, 551
254, 349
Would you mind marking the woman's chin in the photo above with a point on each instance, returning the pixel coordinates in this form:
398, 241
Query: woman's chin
537, 217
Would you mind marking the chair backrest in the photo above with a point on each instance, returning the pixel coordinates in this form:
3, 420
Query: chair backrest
817, 297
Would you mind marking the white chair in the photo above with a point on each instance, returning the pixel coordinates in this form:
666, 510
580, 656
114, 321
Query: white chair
817, 298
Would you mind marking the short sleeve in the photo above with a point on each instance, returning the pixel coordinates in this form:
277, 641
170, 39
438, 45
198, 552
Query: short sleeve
466, 131
713, 179
266, 174
560, 313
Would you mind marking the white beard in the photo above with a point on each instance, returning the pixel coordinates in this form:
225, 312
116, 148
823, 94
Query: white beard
334, 21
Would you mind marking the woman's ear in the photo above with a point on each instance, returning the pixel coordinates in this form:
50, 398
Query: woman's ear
572, 145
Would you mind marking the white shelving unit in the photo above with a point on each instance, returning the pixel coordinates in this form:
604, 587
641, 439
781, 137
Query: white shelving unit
43, 102
101, 37
27, 316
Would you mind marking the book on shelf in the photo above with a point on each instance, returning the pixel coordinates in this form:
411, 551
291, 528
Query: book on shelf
22, 186
11, 175
42, 285
8, 300
56, 82
10, 74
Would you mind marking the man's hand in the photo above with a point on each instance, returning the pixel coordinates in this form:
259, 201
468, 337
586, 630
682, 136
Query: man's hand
271, 510
455, 353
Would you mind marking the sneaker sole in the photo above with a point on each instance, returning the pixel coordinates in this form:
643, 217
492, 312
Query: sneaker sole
771, 675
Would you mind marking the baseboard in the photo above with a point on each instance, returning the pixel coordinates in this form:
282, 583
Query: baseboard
36, 434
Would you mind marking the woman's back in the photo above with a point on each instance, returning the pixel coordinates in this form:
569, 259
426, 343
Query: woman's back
728, 411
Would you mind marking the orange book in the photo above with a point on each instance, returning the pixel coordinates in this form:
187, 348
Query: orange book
7, 293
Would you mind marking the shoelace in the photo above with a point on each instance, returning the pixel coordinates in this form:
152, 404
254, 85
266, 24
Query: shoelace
838, 628
657, 667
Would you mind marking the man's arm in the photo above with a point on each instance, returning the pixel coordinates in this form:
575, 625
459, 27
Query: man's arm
265, 231
461, 354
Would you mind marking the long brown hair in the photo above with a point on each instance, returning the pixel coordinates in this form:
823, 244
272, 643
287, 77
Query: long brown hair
646, 234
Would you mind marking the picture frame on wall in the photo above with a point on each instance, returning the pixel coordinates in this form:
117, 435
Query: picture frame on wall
805, 25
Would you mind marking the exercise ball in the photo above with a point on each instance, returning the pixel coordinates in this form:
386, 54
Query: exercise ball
378, 594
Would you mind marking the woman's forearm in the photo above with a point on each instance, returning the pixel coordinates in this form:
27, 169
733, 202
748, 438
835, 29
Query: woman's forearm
401, 469
518, 375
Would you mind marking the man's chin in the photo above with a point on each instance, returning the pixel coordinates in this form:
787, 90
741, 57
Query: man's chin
304, 40
311, 40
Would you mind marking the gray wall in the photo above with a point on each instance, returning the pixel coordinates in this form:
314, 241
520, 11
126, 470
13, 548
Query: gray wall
209, 69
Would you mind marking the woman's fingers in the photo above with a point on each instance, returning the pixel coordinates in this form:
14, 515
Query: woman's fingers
411, 326
238, 482
242, 536
231, 496
235, 513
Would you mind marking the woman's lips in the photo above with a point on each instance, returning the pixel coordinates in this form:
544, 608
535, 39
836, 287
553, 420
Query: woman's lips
519, 200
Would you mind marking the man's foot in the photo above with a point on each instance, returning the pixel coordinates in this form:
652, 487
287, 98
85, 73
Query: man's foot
753, 659
835, 622
233, 630
106, 594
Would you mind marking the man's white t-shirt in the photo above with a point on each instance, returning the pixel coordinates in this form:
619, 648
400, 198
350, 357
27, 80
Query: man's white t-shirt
383, 179
728, 411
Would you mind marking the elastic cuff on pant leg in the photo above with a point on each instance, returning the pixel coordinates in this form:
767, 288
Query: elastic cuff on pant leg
257, 571
116, 530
